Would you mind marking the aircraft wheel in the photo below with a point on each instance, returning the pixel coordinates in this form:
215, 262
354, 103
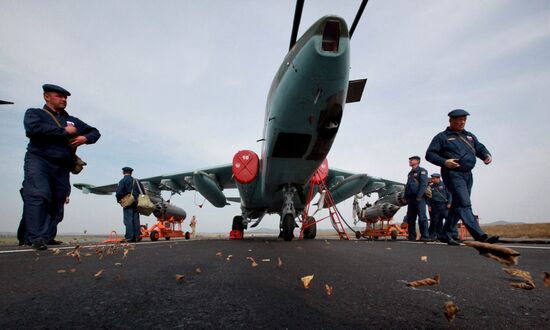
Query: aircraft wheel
154, 235
358, 234
237, 223
167, 238
288, 227
393, 234
311, 231
187, 235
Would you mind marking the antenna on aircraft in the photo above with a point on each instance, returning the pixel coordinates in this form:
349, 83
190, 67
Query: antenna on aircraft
357, 17
296, 24
5, 102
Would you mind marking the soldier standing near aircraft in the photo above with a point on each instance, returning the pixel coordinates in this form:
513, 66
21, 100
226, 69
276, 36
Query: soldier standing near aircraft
417, 182
128, 185
53, 137
193, 225
438, 205
455, 150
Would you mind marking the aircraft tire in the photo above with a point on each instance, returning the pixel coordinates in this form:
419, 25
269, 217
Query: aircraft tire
237, 223
358, 234
393, 234
311, 231
187, 235
288, 227
167, 238
154, 235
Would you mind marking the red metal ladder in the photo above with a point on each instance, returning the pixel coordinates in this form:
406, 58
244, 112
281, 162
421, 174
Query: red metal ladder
334, 215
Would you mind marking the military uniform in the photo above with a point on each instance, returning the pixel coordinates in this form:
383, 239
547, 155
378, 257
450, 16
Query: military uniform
441, 198
131, 215
465, 147
417, 182
48, 161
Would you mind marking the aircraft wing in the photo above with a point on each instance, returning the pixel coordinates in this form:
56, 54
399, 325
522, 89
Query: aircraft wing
337, 178
221, 175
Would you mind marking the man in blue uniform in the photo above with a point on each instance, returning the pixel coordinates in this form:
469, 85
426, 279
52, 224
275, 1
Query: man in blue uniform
53, 136
455, 151
417, 182
129, 185
438, 206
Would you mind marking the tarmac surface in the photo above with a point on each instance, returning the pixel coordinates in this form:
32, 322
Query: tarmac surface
368, 278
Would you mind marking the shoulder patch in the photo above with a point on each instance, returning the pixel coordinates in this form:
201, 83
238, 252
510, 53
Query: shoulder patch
450, 139
424, 173
469, 138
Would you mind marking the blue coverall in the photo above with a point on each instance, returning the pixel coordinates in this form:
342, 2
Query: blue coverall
441, 197
48, 161
465, 147
417, 182
131, 215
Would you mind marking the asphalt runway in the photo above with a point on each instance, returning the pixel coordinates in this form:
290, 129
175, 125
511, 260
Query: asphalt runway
368, 279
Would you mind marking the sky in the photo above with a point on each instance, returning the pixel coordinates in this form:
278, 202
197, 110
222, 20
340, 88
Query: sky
175, 86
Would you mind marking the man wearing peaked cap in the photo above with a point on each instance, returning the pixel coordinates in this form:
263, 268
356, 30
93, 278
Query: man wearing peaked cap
129, 186
54, 136
438, 206
455, 150
417, 182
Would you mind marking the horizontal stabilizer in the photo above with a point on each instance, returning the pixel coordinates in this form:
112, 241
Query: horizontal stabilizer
355, 90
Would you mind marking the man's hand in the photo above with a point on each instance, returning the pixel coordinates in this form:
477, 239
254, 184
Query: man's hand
78, 141
448, 206
429, 209
488, 159
71, 130
452, 163
67, 200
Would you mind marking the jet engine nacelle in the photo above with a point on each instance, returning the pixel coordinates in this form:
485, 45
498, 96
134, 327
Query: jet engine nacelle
209, 189
166, 210
348, 187
397, 198
377, 212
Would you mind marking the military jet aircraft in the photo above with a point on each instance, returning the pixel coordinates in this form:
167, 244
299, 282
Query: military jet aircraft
304, 109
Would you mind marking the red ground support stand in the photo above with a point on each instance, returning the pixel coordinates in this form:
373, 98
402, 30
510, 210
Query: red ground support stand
167, 228
384, 228
235, 234
318, 181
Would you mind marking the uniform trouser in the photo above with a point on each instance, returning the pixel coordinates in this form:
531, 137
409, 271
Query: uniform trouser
417, 208
45, 188
459, 185
439, 212
131, 221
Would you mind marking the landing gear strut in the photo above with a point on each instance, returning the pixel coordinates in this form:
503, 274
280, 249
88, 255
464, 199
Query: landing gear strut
288, 214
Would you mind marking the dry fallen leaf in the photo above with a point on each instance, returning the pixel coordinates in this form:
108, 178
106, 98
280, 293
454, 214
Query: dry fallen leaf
306, 280
87, 254
75, 253
180, 277
126, 250
56, 251
427, 281
252, 262
503, 255
279, 262
450, 310
328, 289
118, 264
424, 258
519, 273
198, 271
547, 279
219, 254
528, 285
266, 260
98, 274
229, 257
72, 270
61, 271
